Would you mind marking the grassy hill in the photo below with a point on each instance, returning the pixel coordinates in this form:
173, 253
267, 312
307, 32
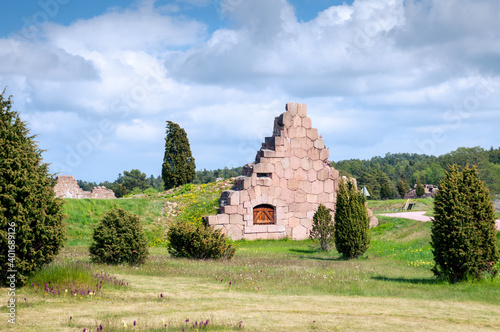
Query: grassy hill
279, 285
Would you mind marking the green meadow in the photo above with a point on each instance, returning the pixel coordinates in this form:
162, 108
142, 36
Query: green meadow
281, 285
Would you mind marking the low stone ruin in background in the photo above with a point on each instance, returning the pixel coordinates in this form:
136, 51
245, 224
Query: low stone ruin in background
67, 187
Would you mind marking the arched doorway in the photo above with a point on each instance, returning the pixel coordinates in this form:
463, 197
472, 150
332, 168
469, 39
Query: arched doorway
263, 215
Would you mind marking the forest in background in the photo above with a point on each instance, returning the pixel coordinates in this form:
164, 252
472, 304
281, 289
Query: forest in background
380, 175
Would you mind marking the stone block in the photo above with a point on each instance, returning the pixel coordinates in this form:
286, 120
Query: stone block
329, 186
247, 183
292, 222
300, 174
296, 121
294, 162
307, 143
291, 108
284, 182
285, 162
223, 219
235, 231
293, 184
234, 198
317, 187
247, 204
212, 220
263, 167
300, 132
241, 210
311, 175
289, 174
230, 209
276, 228
306, 122
306, 164
319, 143
311, 198
305, 186
251, 193
324, 154
256, 229
318, 165
300, 197
307, 223
276, 235
313, 153
279, 170
299, 232
302, 110
312, 133
287, 120
323, 174
269, 154
300, 153
251, 236
276, 181
236, 219
280, 141
264, 182
288, 231
258, 191
287, 196
295, 142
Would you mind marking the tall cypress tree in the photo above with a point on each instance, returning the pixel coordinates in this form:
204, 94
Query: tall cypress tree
31, 228
352, 237
463, 234
178, 164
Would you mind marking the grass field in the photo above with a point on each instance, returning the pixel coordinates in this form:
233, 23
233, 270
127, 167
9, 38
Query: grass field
268, 286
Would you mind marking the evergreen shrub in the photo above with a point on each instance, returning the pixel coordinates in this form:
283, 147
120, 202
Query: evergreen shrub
352, 224
463, 234
198, 242
31, 219
323, 228
119, 238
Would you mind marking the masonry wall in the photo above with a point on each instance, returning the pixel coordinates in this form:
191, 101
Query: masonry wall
291, 173
67, 187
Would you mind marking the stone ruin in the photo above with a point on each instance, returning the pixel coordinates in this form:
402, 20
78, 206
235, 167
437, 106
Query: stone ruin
67, 187
278, 194
430, 190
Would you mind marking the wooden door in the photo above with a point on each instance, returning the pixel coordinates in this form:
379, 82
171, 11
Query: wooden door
263, 215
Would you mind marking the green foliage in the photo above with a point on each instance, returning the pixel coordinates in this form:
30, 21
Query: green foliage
134, 179
401, 188
385, 188
178, 163
430, 169
463, 233
198, 241
211, 176
119, 238
419, 190
31, 220
323, 228
352, 224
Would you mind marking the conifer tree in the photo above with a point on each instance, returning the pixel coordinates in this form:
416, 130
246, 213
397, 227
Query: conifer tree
178, 164
419, 190
401, 188
323, 228
463, 234
31, 227
352, 224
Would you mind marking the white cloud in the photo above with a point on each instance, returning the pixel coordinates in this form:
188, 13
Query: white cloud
378, 76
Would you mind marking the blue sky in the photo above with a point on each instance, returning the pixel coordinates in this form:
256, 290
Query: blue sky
96, 80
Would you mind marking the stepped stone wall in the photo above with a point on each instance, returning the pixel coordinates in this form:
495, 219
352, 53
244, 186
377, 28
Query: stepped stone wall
67, 187
290, 177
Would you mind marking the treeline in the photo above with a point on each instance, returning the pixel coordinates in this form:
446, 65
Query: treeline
136, 182
383, 176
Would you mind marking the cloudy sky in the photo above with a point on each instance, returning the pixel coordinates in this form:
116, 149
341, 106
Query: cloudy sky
96, 80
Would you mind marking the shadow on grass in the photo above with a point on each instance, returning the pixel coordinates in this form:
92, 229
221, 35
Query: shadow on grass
421, 281
308, 254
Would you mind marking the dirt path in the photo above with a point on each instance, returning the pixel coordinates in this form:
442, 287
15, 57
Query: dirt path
419, 216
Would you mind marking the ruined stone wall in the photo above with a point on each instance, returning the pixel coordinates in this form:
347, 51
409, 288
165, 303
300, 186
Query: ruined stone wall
291, 174
67, 187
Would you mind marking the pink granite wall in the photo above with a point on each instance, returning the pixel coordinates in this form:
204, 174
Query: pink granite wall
67, 187
291, 173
